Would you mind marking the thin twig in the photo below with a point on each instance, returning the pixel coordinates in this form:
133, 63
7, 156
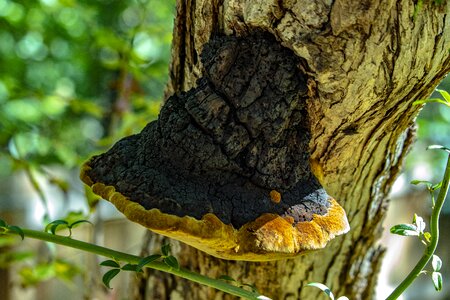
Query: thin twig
133, 259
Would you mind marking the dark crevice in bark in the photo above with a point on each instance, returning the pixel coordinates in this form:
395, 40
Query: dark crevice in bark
176, 70
223, 146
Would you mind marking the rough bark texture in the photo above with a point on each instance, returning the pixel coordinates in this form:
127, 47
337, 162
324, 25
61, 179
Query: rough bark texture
366, 62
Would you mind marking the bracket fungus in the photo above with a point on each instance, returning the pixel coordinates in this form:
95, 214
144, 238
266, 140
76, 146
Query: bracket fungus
225, 168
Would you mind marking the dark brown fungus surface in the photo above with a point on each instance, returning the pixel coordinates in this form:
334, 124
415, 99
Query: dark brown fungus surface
207, 170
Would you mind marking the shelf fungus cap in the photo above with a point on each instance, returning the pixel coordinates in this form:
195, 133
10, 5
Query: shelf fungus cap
225, 168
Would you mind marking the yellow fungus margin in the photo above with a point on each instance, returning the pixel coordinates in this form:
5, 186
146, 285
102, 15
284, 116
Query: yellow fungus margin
269, 237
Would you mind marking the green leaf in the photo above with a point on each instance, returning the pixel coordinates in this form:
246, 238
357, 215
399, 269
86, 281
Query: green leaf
3, 223
79, 222
405, 230
427, 236
439, 147
227, 278
172, 262
436, 262
444, 94
322, 287
52, 226
437, 280
73, 216
110, 263
147, 260
110, 275
129, 267
427, 183
436, 186
165, 249
17, 230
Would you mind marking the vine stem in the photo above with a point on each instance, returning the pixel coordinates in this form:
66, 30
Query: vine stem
434, 230
133, 259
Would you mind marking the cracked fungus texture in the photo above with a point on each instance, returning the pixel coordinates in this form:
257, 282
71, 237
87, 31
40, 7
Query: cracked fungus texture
219, 149
222, 146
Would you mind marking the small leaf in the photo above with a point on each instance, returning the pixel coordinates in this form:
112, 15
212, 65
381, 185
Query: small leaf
436, 263
53, 225
322, 287
147, 260
419, 222
172, 262
427, 236
165, 249
436, 186
439, 147
405, 230
17, 230
79, 222
109, 275
437, 280
227, 278
58, 222
3, 223
416, 182
261, 297
129, 267
53, 228
110, 263
444, 93
342, 298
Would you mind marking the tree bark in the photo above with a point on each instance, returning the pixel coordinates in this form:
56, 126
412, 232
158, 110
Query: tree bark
367, 62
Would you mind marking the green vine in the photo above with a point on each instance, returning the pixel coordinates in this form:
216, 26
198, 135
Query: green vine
431, 241
135, 263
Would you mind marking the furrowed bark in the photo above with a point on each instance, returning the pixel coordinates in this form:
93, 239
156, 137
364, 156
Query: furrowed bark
367, 62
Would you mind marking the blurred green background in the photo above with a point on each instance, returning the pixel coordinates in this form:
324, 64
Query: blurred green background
75, 76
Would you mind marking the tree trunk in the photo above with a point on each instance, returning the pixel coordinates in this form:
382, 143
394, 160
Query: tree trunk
367, 62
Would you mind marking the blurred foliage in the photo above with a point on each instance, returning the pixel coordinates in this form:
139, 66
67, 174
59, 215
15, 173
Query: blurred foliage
59, 268
433, 128
75, 76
